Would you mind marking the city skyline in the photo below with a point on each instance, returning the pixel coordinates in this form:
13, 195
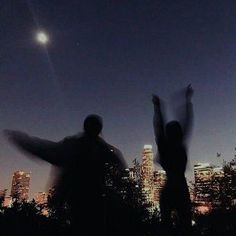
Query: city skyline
148, 168
108, 57
213, 186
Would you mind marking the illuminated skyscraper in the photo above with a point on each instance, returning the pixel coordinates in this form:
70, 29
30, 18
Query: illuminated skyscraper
217, 186
20, 186
147, 173
202, 174
41, 198
7, 201
159, 182
202, 192
135, 172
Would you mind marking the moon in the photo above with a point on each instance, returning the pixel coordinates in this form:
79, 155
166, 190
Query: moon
42, 37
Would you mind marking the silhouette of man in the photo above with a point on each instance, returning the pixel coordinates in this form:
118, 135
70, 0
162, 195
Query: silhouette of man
171, 142
83, 159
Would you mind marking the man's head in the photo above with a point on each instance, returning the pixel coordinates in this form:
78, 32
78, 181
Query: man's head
93, 125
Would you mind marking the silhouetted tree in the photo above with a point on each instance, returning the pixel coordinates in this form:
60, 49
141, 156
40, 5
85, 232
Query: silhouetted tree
2, 197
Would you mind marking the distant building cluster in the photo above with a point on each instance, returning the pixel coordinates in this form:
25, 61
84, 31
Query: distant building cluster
20, 190
213, 186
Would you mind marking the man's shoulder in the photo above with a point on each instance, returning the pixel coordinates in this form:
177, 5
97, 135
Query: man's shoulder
108, 147
114, 154
74, 139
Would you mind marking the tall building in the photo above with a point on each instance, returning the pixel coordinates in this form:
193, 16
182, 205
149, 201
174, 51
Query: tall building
202, 193
147, 169
41, 197
20, 185
7, 201
159, 182
203, 178
135, 172
217, 186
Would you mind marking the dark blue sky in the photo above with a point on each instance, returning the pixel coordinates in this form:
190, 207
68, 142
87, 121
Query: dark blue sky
108, 57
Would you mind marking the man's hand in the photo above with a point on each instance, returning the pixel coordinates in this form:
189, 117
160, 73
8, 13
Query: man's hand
156, 100
13, 136
189, 92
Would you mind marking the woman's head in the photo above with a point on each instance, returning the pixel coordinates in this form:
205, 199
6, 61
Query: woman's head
174, 131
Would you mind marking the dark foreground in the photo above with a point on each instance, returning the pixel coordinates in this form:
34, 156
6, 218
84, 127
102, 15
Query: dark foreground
27, 220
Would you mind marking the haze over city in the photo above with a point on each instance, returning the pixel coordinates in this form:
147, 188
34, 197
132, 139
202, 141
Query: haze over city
109, 58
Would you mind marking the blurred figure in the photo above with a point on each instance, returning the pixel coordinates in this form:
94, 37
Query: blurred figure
82, 160
171, 142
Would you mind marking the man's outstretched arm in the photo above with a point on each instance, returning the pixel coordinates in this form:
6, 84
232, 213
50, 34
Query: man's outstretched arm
49, 151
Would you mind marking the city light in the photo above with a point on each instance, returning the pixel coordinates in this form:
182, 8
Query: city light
207, 180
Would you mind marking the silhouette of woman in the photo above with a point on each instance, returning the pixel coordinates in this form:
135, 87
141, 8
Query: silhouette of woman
171, 143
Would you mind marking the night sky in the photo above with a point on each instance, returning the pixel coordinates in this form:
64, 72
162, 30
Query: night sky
108, 57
